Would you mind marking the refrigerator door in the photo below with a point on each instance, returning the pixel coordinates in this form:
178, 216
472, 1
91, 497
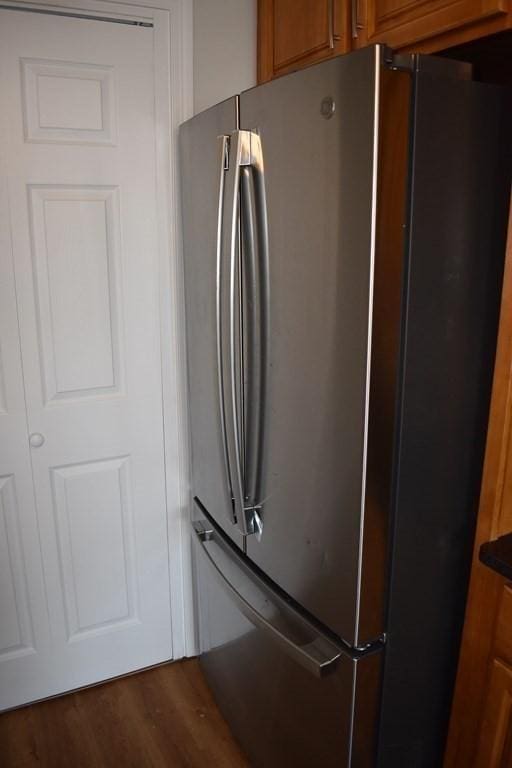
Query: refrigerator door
290, 695
203, 153
318, 131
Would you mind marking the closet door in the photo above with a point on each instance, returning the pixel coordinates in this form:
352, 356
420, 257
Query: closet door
24, 626
77, 138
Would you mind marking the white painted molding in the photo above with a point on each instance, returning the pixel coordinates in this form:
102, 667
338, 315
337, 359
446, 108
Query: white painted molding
174, 91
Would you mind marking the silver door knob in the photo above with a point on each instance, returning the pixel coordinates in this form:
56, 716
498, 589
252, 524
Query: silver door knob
36, 440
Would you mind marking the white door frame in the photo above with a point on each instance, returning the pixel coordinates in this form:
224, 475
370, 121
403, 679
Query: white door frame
173, 104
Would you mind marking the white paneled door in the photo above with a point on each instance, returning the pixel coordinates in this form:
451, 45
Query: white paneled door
84, 586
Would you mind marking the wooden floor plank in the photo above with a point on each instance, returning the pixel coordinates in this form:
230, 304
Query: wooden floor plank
160, 718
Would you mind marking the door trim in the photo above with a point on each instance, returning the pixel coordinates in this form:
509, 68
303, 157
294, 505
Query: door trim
173, 83
67, 12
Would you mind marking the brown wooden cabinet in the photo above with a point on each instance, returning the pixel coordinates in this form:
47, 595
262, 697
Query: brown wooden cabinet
481, 723
495, 746
295, 33
401, 23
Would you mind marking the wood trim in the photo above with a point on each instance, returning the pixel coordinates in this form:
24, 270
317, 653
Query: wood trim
265, 67
485, 586
343, 24
503, 635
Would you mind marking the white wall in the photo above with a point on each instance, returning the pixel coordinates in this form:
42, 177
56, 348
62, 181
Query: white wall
224, 49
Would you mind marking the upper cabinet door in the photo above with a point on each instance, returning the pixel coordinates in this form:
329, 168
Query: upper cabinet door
401, 23
296, 33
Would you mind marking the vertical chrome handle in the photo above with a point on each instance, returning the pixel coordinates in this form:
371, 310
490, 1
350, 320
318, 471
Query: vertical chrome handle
234, 317
232, 379
223, 167
256, 263
244, 150
331, 23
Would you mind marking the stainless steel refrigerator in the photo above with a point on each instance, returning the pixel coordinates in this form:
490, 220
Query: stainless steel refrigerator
343, 245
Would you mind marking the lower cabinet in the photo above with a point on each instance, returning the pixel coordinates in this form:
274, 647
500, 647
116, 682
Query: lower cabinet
495, 738
495, 745
480, 733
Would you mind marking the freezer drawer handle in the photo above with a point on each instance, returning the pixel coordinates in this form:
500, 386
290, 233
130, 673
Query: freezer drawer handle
317, 655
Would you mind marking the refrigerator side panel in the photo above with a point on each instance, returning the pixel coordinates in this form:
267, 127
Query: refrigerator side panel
460, 182
201, 169
317, 130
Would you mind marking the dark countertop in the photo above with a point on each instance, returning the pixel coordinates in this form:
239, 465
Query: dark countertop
497, 555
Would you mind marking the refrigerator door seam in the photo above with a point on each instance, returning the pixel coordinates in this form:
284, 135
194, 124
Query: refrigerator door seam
369, 342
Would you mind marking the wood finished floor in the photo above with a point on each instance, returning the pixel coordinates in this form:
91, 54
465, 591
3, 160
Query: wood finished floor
161, 718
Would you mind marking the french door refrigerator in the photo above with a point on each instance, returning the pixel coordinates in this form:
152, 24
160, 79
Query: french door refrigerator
343, 245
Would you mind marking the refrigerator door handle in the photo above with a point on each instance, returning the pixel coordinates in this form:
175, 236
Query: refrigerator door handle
223, 167
244, 151
256, 263
234, 437
297, 638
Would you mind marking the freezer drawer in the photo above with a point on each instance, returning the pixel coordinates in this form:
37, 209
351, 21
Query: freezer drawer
291, 696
